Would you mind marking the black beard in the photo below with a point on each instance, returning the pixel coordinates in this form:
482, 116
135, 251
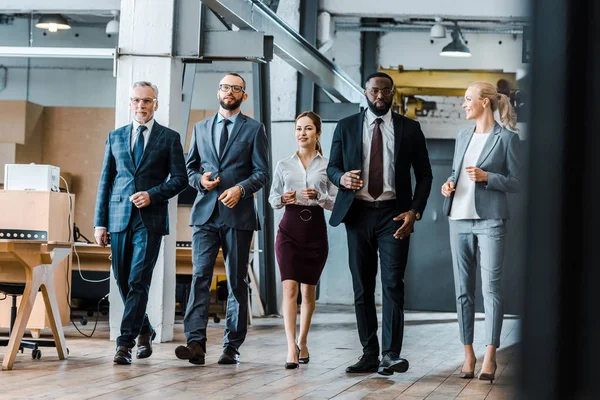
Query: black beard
378, 111
231, 106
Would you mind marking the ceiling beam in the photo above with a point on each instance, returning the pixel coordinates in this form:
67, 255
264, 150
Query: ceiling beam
58, 6
442, 8
289, 46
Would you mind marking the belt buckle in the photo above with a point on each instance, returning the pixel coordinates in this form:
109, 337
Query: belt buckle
309, 215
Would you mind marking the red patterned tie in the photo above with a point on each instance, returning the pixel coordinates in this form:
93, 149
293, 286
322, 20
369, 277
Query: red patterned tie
376, 161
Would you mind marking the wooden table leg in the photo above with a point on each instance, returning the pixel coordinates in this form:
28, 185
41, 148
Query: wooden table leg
53, 314
32, 285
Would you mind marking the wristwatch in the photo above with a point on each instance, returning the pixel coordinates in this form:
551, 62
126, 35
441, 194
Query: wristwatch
417, 214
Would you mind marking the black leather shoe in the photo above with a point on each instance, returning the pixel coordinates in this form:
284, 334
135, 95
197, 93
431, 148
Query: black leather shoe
365, 364
194, 352
229, 356
390, 363
123, 356
144, 345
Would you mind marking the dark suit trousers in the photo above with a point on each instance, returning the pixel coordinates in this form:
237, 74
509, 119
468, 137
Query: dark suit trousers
134, 252
206, 240
370, 230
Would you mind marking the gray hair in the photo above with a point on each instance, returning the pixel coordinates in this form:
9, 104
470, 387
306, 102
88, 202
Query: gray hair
146, 84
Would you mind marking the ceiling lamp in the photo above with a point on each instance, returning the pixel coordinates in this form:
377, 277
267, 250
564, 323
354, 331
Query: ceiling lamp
112, 28
52, 22
456, 48
438, 30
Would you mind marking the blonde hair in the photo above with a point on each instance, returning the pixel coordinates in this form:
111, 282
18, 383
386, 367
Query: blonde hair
498, 101
316, 119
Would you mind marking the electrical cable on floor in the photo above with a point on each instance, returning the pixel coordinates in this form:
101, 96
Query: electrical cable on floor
68, 280
95, 323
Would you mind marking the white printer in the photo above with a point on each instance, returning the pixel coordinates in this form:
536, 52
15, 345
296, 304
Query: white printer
31, 177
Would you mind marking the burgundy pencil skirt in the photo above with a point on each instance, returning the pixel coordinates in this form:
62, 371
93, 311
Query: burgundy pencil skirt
301, 246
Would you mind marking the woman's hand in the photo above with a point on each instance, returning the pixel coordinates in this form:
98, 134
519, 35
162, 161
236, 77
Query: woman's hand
310, 194
447, 189
288, 198
477, 174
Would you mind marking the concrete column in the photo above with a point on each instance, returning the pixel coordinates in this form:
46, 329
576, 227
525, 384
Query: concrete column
146, 44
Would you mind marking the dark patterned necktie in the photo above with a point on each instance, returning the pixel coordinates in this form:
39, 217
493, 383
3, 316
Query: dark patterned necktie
138, 147
224, 137
376, 161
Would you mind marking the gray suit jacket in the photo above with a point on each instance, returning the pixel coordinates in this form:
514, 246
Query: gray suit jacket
500, 159
161, 173
244, 162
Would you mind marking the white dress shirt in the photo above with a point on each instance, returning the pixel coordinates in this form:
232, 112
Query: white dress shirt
463, 205
291, 175
389, 169
146, 133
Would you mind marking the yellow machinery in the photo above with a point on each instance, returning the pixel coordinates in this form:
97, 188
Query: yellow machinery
411, 83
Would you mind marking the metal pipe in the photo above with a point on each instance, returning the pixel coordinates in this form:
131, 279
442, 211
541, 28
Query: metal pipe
358, 28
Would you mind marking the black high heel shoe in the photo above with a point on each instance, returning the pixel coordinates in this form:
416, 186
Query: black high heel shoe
289, 365
303, 360
483, 376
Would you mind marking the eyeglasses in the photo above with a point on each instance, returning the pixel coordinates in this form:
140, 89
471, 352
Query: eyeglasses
145, 100
385, 91
234, 88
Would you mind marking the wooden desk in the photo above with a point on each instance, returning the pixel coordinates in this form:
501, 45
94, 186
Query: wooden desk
33, 263
93, 257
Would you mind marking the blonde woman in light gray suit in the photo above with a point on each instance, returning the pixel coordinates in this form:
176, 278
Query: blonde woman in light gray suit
484, 169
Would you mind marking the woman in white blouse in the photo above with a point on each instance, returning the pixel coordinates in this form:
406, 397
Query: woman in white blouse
485, 168
300, 184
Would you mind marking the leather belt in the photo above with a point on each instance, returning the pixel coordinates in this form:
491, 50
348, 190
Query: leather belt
376, 204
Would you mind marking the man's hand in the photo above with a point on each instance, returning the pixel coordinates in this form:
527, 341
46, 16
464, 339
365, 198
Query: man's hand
288, 198
140, 199
409, 219
231, 196
207, 183
309, 194
351, 180
100, 235
447, 189
477, 174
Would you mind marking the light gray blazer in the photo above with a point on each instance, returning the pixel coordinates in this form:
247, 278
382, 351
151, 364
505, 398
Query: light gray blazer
500, 159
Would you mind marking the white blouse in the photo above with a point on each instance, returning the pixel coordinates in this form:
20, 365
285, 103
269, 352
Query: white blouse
463, 205
291, 175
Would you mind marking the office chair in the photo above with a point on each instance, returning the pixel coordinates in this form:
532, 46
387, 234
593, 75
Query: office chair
16, 289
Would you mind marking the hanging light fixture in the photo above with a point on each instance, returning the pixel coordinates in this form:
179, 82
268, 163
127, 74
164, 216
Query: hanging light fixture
456, 48
53, 22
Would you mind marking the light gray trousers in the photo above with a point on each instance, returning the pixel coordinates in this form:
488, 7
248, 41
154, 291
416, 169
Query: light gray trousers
465, 237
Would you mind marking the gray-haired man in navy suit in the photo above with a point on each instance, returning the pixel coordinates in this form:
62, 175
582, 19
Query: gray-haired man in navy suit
143, 168
227, 164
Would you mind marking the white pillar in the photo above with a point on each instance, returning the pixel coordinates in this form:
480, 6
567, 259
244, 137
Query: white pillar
146, 44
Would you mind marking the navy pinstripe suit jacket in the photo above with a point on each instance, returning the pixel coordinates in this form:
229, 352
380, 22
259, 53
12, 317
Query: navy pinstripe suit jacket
163, 157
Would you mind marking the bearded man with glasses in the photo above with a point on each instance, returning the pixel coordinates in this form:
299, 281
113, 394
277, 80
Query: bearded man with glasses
227, 163
372, 154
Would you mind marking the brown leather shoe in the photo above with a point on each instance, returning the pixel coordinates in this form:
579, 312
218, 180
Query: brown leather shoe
123, 356
229, 356
144, 345
194, 352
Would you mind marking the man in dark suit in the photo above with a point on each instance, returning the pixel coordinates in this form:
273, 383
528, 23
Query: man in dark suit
132, 204
227, 163
371, 156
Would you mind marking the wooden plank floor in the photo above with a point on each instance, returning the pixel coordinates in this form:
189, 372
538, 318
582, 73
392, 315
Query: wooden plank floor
431, 345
